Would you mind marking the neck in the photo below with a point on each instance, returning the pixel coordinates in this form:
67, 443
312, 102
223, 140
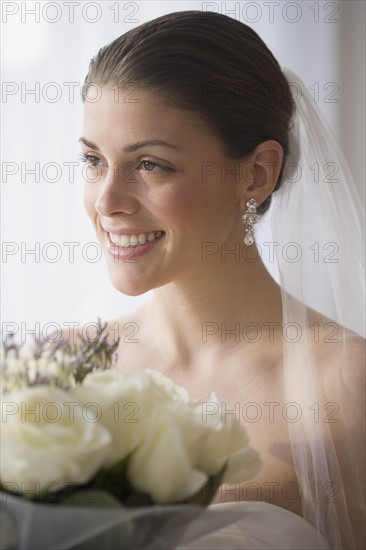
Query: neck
223, 302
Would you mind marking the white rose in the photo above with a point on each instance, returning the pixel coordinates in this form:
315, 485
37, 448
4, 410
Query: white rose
180, 451
176, 447
126, 402
172, 390
227, 442
162, 466
46, 441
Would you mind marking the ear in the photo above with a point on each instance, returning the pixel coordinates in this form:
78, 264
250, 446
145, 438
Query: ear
261, 170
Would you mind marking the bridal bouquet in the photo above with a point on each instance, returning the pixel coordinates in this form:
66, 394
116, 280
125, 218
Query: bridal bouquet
91, 456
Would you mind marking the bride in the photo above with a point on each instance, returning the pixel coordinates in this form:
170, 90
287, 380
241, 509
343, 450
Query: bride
197, 134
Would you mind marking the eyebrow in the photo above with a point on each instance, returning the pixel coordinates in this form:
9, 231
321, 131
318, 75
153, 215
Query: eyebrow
135, 146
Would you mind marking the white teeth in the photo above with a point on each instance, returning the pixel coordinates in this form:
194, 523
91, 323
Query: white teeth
123, 240
133, 240
115, 239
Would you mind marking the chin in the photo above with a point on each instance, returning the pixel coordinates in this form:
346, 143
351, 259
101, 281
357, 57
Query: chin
132, 279
130, 287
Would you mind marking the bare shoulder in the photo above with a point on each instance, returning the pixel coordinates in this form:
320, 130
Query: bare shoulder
340, 356
331, 340
342, 365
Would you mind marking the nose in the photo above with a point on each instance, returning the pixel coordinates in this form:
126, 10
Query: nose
117, 192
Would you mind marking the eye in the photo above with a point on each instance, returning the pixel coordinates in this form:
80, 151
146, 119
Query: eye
147, 165
91, 161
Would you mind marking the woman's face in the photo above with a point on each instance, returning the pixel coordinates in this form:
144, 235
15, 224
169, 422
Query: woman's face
156, 173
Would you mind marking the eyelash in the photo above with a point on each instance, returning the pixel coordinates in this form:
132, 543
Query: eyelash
93, 161
89, 159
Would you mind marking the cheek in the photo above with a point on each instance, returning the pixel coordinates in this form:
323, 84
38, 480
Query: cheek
204, 210
173, 204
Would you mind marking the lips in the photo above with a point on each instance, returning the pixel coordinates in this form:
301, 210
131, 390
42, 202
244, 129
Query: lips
133, 248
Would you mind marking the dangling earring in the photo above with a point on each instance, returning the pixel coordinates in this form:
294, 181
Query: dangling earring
250, 217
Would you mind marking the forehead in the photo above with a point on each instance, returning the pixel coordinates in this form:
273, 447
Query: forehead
131, 114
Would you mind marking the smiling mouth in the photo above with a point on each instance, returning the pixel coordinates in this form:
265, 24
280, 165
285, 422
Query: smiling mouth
126, 241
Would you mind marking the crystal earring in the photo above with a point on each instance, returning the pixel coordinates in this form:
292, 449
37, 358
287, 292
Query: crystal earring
250, 217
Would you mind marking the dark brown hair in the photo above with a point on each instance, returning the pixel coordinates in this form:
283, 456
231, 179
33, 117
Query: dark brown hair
209, 64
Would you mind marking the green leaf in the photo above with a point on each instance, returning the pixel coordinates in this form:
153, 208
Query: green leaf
206, 494
136, 499
113, 480
119, 468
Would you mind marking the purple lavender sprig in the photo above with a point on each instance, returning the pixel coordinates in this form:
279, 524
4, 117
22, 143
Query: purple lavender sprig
67, 363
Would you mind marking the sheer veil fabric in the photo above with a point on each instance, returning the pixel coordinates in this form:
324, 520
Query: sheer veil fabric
318, 221
317, 228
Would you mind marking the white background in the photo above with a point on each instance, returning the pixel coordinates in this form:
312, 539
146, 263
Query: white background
323, 42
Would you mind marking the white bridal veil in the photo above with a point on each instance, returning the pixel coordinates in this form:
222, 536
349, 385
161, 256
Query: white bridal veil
317, 224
